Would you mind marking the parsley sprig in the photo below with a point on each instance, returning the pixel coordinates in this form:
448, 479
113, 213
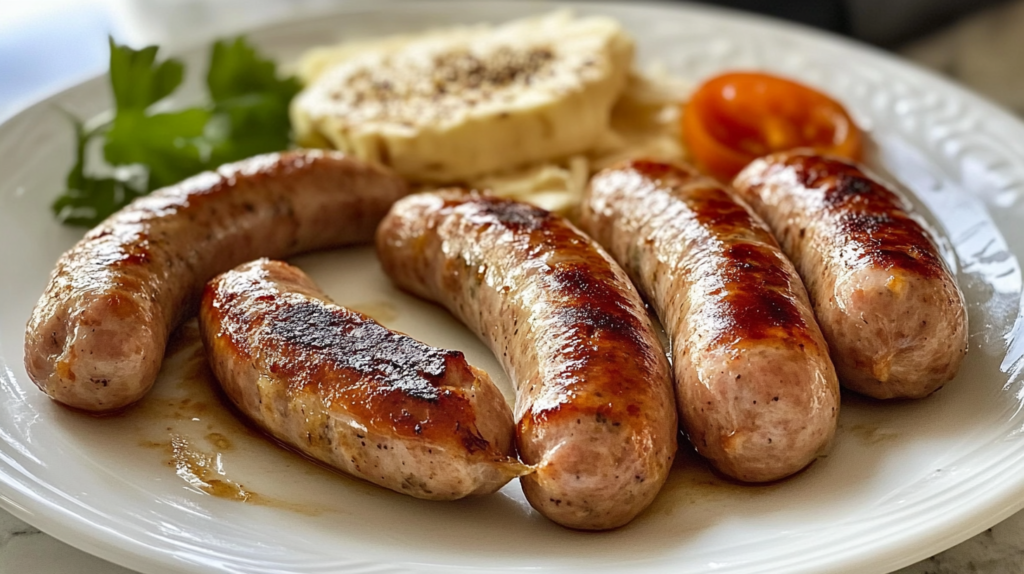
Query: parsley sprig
144, 149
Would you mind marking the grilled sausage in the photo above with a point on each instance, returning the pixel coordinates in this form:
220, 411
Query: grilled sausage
594, 407
756, 391
341, 388
886, 302
96, 337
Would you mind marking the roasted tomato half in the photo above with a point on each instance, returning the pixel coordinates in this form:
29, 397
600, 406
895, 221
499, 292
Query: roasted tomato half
737, 117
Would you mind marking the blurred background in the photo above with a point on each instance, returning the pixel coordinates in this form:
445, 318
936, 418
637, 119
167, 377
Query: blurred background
46, 45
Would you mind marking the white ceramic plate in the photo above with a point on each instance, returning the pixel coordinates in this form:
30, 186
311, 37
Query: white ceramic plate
904, 481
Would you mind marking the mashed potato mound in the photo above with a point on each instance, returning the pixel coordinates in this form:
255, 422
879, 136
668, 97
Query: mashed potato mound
529, 109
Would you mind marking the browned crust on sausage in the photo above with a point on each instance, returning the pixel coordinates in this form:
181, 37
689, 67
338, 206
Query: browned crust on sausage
755, 297
593, 394
887, 304
350, 361
871, 224
96, 338
757, 393
272, 336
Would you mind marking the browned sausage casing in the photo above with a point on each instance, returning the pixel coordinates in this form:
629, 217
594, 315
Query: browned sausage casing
96, 337
887, 304
594, 405
757, 392
338, 386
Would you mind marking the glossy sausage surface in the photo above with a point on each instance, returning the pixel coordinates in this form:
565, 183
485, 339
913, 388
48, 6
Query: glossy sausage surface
339, 387
889, 307
756, 391
96, 338
594, 408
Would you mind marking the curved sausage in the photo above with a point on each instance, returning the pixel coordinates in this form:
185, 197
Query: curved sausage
886, 302
757, 393
339, 387
594, 404
96, 337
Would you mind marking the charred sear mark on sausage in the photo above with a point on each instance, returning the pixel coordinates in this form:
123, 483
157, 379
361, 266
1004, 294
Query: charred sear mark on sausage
584, 304
511, 214
869, 223
847, 187
839, 180
347, 342
899, 242
756, 302
867, 215
755, 298
594, 306
348, 361
592, 312
657, 170
714, 209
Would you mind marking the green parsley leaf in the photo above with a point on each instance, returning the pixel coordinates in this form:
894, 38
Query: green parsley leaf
171, 145
247, 115
250, 102
93, 200
248, 126
237, 70
90, 200
138, 83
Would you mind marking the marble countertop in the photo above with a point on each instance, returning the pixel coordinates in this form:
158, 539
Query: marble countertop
982, 52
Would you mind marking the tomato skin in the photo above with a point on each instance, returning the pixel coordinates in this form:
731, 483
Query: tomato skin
734, 118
